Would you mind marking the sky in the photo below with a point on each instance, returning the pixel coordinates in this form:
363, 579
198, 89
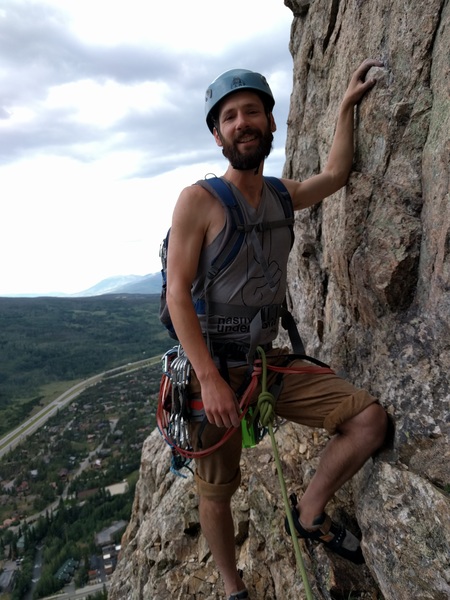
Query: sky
102, 125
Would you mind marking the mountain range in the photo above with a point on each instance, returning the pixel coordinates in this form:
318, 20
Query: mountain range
125, 284
120, 284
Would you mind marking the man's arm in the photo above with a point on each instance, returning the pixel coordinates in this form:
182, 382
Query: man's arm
336, 172
197, 219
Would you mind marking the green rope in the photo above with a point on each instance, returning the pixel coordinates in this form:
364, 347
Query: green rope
266, 411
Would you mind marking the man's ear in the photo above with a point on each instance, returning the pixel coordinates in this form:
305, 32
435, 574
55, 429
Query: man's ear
217, 137
273, 125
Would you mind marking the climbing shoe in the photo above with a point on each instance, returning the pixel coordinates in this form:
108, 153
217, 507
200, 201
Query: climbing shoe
333, 536
242, 595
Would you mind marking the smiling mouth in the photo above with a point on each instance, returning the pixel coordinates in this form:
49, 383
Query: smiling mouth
245, 140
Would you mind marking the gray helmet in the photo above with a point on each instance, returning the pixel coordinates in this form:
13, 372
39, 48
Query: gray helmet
236, 80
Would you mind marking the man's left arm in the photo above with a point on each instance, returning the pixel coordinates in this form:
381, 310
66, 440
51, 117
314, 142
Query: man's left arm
339, 163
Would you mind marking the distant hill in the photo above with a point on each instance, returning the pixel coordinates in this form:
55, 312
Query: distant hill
120, 284
125, 284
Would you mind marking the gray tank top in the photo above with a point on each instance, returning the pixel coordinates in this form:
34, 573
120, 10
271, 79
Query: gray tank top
242, 300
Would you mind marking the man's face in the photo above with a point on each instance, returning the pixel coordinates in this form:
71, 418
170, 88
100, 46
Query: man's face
244, 130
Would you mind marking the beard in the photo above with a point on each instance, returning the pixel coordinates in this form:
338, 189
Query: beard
250, 160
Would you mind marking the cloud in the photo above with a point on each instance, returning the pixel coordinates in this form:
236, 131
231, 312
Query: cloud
43, 59
102, 107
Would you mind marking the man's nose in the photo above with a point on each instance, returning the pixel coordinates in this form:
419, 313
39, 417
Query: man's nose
241, 120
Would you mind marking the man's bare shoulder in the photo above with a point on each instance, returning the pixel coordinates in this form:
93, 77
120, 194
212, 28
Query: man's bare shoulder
197, 209
196, 194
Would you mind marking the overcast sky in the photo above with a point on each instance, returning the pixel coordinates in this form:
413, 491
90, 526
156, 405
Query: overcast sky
102, 125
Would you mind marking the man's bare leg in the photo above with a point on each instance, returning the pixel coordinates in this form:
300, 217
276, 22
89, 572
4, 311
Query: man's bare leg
343, 456
357, 439
218, 528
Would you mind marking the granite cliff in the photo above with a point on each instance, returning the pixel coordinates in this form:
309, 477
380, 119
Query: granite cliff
369, 287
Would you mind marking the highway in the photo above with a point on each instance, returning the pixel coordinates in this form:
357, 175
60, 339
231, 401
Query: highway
18, 435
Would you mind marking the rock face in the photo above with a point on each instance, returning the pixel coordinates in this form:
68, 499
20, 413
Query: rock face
369, 286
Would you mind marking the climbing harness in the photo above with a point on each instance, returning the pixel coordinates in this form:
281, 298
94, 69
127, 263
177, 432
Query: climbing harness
175, 409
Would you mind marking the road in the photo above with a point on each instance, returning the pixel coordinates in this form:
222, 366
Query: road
80, 593
18, 435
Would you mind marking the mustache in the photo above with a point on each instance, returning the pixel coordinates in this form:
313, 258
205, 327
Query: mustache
249, 131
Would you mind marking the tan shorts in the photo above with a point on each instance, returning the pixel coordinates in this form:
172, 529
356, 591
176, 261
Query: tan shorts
317, 400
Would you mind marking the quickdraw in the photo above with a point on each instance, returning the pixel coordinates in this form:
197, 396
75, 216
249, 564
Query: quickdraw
173, 410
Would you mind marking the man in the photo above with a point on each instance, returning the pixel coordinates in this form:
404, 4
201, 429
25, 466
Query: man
239, 107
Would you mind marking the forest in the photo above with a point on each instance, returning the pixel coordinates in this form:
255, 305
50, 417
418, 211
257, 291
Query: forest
77, 524
47, 340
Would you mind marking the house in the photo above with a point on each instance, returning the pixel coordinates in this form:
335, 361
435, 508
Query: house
7, 580
8, 485
66, 572
105, 537
23, 488
109, 555
8, 522
118, 488
84, 494
94, 568
109, 566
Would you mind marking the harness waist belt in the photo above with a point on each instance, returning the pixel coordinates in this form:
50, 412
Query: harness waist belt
235, 351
